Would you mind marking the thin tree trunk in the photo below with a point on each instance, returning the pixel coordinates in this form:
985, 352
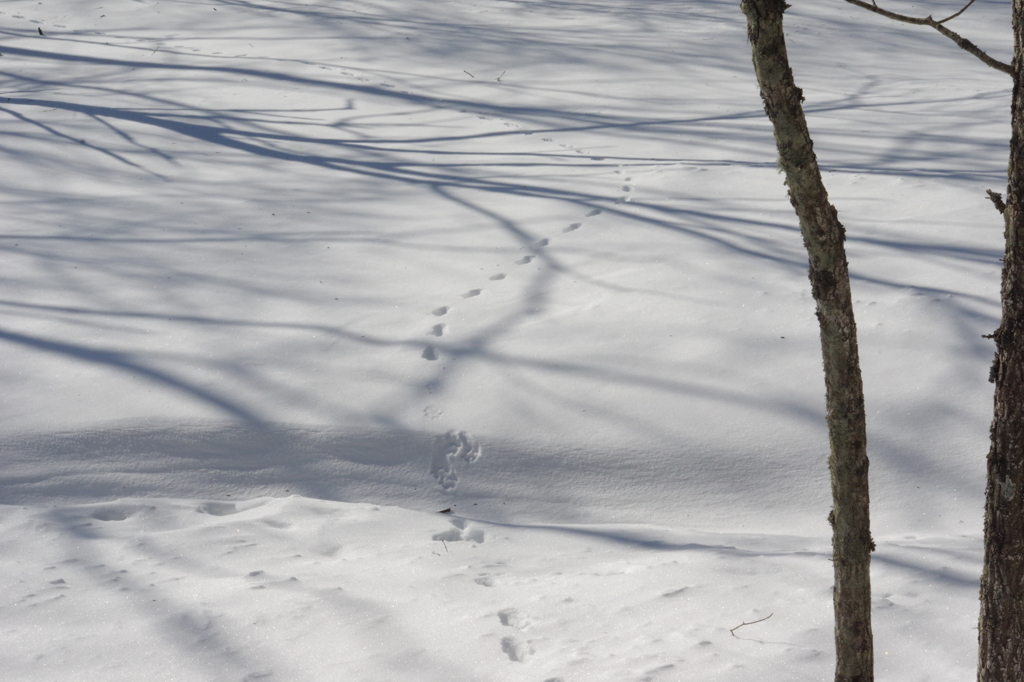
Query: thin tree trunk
830, 284
1001, 625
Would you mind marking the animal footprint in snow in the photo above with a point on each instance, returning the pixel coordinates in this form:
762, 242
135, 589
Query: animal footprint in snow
517, 648
439, 329
472, 293
626, 197
595, 212
514, 618
524, 260
573, 227
450, 448
540, 244
218, 508
495, 278
438, 312
430, 353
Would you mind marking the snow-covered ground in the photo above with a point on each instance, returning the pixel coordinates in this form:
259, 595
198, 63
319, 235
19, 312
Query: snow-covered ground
282, 281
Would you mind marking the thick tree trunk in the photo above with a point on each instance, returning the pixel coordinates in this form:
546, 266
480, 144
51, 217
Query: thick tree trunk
830, 283
1001, 626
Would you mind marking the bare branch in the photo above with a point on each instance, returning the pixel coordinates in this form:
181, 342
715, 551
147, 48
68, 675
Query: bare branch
733, 631
961, 42
967, 45
886, 13
942, 21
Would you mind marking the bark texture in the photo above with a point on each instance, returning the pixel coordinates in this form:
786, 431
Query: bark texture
824, 238
1001, 625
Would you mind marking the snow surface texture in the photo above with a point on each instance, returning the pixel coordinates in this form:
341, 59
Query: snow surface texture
281, 281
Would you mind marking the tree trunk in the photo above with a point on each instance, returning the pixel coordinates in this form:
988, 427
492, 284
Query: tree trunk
1001, 625
830, 284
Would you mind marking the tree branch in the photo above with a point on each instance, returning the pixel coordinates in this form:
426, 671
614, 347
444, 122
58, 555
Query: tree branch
961, 42
886, 13
942, 21
997, 199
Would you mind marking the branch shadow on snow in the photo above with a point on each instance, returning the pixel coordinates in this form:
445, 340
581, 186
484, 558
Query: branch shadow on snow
464, 181
132, 129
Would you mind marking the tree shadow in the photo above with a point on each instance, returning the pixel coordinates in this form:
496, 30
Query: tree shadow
371, 138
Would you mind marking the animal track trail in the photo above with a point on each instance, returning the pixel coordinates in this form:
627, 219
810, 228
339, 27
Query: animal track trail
626, 188
515, 646
431, 353
455, 449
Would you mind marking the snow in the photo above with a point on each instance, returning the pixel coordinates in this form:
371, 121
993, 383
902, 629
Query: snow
283, 281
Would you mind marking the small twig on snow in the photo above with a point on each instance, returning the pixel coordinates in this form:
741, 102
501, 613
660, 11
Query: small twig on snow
499, 77
445, 546
468, 73
733, 631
